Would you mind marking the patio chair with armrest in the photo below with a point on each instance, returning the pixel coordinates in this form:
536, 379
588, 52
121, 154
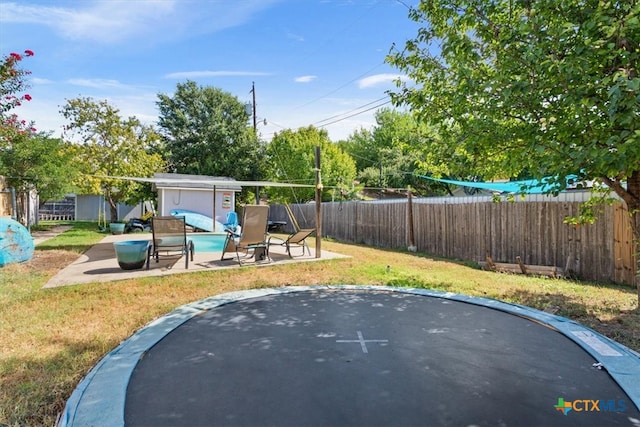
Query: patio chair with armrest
252, 240
297, 238
170, 239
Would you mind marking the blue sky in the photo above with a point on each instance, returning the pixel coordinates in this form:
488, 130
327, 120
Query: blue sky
313, 61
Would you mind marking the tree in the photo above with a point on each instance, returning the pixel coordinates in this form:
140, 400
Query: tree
111, 146
35, 160
13, 81
393, 152
206, 132
291, 154
30, 160
549, 86
12, 129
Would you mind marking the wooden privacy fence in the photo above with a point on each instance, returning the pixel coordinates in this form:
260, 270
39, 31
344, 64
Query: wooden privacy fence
5, 203
533, 231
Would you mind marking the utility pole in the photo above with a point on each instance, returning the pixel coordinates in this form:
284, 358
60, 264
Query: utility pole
380, 191
255, 123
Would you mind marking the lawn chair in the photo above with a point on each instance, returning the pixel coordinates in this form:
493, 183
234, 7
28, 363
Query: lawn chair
297, 238
170, 238
252, 240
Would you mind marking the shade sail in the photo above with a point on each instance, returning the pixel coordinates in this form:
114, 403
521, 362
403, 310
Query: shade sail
528, 186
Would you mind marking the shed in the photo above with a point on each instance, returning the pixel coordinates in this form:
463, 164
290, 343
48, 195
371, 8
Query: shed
196, 193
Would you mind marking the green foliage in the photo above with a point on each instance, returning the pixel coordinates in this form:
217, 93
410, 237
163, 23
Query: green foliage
111, 146
360, 145
592, 208
292, 155
36, 160
206, 132
29, 159
13, 81
389, 155
548, 86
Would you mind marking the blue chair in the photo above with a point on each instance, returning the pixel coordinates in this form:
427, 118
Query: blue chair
232, 222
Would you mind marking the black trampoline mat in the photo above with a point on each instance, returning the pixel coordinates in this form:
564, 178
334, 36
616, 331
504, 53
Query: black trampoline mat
368, 358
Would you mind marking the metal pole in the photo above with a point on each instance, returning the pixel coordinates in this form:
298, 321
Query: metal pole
28, 211
255, 132
380, 191
214, 209
318, 205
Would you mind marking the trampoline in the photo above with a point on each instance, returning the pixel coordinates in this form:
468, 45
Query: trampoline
350, 355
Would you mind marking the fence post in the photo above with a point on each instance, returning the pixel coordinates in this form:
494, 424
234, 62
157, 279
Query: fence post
412, 242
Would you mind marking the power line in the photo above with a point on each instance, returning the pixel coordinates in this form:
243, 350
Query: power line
355, 114
341, 33
341, 117
340, 87
404, 4
348, 112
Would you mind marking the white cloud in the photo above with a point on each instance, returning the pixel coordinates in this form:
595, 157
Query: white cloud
96, 83
44, 108
379, 79
102, 21
40, 81
295, 37
197, 74
44, 113
118, 21
305, 79
141, 105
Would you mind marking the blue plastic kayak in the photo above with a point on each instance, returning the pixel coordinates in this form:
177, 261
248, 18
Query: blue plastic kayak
198, 220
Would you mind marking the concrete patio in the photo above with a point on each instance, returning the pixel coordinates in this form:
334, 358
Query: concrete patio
99, 263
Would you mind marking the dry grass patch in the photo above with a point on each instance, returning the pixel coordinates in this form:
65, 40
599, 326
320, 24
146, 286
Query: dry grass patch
52, 337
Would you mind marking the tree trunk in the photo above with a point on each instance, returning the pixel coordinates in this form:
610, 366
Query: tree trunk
633, 205
635, 227
114, 211
636, 235
113, 207
631, 196
633, 187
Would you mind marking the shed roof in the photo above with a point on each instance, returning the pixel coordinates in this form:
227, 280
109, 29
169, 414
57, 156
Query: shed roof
185, 181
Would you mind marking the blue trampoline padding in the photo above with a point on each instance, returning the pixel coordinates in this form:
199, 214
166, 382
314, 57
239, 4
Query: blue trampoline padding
110, 377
